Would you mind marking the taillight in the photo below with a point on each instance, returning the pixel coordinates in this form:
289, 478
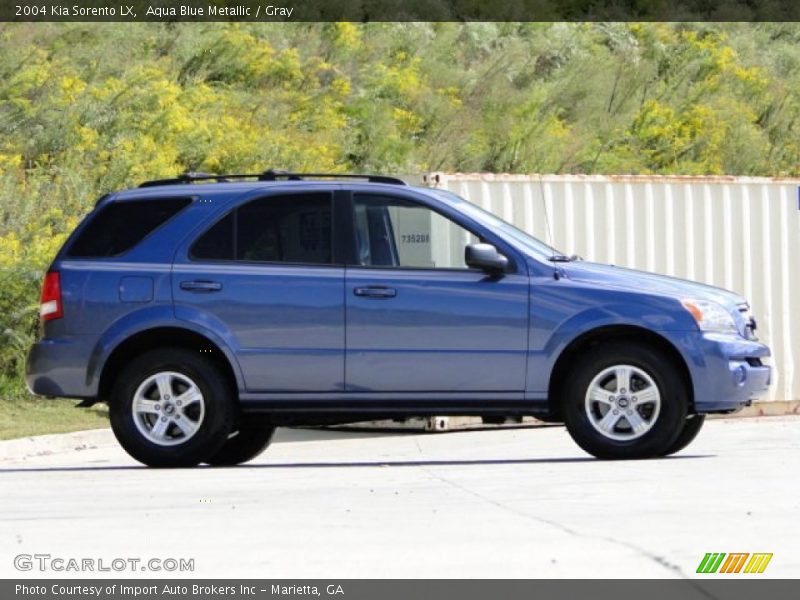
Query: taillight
50, 306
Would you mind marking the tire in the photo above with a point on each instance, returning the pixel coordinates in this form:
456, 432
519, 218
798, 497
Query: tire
691, 427
251, 439
172, 407
598, 402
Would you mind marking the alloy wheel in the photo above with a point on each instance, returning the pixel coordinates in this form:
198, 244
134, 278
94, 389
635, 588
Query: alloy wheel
623, 402
168, 408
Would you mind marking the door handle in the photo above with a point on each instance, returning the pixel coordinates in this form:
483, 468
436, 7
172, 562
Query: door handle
201, 286
375, 291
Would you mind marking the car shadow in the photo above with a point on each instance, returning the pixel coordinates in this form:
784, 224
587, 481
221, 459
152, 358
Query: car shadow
353, 464
356, 431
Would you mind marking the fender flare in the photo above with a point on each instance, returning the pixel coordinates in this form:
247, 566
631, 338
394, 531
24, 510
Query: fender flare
141, 321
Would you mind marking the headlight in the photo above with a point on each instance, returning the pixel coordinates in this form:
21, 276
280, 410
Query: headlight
710, 316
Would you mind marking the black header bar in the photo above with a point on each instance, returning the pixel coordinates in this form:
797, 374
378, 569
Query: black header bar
398, 10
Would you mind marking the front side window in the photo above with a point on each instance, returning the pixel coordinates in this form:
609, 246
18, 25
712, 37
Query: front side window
293, 228
392, 232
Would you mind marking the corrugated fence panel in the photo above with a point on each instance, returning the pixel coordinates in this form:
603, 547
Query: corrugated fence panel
740, 233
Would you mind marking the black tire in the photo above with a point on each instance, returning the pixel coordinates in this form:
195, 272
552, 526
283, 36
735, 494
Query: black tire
691, 427
215, 416
251, 439
662, 428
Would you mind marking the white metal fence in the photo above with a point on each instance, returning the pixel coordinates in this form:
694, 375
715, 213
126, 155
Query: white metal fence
739, 233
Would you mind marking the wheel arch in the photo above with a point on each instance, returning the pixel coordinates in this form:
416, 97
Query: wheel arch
605, 334
162, 337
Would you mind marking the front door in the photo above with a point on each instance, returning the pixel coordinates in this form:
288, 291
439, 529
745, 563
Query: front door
418, 319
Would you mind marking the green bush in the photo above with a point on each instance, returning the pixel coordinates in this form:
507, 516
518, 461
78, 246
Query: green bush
89, 108
18, 323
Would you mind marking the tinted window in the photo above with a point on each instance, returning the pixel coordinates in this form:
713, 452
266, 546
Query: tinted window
392, 232
292, 229
217, 242
119, 226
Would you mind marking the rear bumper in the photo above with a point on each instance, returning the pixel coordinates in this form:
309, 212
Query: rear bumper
58, 368
727, 370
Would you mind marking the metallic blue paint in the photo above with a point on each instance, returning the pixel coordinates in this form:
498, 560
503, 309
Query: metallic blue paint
443, 331
443, 339
285, 324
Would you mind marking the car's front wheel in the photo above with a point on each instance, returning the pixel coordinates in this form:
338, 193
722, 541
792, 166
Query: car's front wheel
625, 400
171, 407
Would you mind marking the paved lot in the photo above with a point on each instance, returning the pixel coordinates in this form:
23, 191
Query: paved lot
498, 503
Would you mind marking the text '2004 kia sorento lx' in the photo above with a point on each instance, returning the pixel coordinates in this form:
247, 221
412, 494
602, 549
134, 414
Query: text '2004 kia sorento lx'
207, 315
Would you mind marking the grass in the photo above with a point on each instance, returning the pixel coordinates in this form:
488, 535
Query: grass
25, 415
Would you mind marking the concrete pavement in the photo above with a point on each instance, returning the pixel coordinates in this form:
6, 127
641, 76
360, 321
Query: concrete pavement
498, 503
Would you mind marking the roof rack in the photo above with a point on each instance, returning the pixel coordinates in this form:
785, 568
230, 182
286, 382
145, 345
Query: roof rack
270, 175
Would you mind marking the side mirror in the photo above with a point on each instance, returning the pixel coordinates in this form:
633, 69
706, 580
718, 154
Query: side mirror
485, 257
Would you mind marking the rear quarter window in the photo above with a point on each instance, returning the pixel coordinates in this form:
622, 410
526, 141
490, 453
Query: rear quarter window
119, 226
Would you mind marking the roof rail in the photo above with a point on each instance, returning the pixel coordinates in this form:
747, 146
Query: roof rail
270, 175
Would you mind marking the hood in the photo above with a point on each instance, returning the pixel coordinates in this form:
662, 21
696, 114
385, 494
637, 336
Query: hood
642, 281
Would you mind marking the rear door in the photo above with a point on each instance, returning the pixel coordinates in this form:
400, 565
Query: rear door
264, 276
418, 319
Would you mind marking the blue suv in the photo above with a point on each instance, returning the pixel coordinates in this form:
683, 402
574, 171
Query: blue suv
207, 310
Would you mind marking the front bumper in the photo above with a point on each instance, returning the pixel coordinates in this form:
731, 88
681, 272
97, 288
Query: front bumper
727, 370
58, 368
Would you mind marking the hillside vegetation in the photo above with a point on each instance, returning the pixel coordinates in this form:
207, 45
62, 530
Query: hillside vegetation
86, 109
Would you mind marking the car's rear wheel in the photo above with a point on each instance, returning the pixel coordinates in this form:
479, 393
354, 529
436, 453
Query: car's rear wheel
625, 400
171, 407
251, 438
691, 427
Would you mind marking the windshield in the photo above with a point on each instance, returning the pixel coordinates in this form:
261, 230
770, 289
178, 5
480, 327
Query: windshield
537, 247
